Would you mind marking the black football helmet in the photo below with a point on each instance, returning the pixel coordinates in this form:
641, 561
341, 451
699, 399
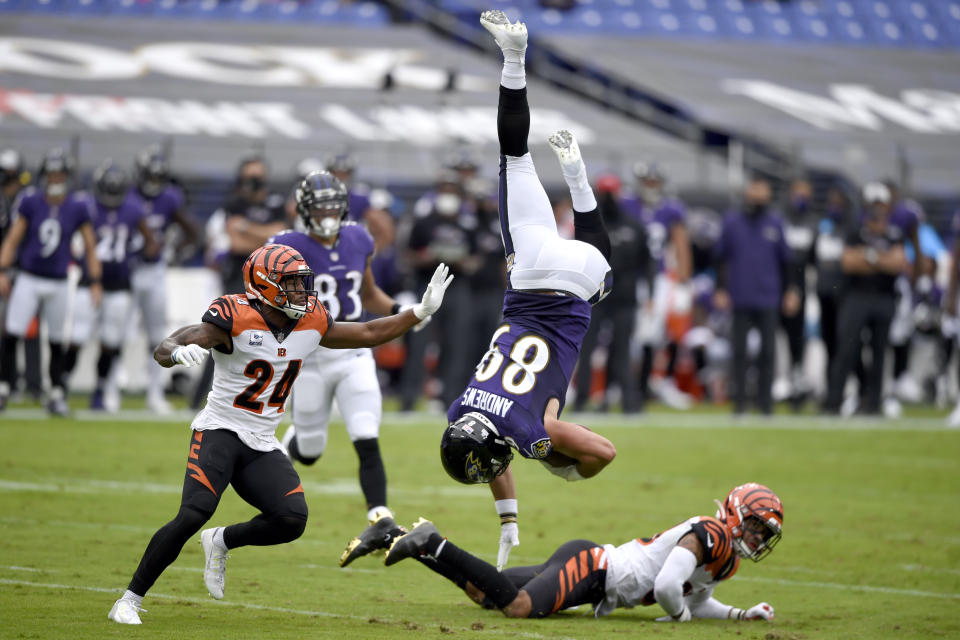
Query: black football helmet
322, 203
472, 450
152, 171
57, 160
110, 184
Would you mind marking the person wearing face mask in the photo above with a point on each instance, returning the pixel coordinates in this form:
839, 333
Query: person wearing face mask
828, 250
752, 258
250, 217
665, 222
444, 232
45, 218
873, 256
800, 233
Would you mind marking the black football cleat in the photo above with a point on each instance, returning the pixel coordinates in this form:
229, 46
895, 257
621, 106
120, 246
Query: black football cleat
412, 544
379, 535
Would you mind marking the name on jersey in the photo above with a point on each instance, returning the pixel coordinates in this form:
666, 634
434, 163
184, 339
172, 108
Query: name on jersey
486, 401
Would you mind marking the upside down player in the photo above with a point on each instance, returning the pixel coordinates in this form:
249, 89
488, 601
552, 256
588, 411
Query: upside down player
260, 339
518, 390
677, 569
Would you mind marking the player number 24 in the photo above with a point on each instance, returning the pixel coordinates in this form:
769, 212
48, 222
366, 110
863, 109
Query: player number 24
262, 373
529, 356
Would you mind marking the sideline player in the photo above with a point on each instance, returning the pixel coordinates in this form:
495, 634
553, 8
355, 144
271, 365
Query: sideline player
45, 219
678, 568
164, 204
339, 253
260, 339
518, 390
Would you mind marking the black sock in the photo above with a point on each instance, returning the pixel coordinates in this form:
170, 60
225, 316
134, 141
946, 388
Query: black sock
57, 377
70, 358
294, 450
497, 587
373, 477
264, 530
447, 571
8, 360
104, 364
164, 548
513, 121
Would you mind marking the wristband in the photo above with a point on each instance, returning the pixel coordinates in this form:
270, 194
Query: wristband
507, 510
736, 614
395, 309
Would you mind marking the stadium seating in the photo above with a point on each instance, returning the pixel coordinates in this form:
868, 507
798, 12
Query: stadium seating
876, 23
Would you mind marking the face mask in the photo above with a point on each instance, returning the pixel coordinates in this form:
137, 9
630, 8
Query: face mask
327, 227
56, 190
756, 209
447, 204
650, 196
252, 184
151, 188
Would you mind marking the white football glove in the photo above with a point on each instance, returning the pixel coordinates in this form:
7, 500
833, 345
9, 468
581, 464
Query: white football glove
762, 611
684, 616
420, 325
188, 355
509, 538
433, 296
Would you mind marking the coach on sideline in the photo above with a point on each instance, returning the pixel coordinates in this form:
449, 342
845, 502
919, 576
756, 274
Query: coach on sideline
873, 257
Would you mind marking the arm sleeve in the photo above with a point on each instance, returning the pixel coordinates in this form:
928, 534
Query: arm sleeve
704, 605
588, 227
668, 586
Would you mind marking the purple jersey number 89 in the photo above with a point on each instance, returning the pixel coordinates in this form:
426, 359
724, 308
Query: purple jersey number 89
529, 355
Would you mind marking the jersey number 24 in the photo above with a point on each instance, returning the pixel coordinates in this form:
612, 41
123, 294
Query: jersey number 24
262, 373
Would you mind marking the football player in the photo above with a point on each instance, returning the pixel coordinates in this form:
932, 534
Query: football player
118, 217
260, 340
45, 219
517, 392
339, 252
678, 568
164, 205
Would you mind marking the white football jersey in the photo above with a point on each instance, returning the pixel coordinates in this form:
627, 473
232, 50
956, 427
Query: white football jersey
632, 567
254, 376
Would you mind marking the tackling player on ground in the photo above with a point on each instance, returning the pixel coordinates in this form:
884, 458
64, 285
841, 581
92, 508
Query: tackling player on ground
518, 390
260, 340
339, 252
677, 569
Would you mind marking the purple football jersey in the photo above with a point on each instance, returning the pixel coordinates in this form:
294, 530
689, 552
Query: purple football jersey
906, 215
338, 269
115, 228
536, 349
159, 212
45, 250
657, 221
359, 203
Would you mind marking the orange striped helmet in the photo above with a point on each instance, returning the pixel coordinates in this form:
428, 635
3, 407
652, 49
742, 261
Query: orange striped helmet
279, 276
754, 515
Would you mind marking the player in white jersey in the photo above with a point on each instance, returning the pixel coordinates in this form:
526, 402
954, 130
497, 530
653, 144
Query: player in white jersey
259, 339
677, 569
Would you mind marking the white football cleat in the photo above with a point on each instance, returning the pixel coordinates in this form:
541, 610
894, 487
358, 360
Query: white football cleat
125, 612
215, 567
511, 38
565, 146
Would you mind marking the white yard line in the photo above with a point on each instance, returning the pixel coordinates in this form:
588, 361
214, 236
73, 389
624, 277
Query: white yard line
924, 569
851, 587
244, 605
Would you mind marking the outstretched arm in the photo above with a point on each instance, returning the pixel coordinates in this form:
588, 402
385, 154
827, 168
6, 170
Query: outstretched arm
577, 452
188, 346
704, 605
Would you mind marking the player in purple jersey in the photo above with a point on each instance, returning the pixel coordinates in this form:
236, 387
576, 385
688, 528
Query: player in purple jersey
665, 220
518, 390
339, 253
45, 219
343, 166
118, 217
164, 205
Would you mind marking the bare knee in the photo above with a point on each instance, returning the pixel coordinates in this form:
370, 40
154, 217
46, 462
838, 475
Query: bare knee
520, 607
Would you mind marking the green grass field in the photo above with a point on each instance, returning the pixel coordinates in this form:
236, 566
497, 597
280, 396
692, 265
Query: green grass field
871, 545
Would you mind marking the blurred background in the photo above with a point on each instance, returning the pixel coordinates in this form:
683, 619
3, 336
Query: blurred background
835, 123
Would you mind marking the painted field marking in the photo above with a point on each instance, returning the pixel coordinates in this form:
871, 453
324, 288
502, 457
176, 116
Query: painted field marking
852, 587
245, 605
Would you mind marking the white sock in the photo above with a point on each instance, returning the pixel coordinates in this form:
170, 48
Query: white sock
374, 513
514, 74
218, 537
581, 194
130, 596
